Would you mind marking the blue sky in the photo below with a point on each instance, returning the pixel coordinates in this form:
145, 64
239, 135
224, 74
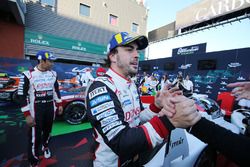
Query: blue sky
163, 12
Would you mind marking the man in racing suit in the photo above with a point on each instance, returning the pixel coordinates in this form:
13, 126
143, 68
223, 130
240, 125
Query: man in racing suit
123, 128
38, 89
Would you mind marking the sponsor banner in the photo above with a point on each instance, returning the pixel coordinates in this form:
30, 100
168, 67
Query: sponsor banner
189, 50
43, 39
207, 10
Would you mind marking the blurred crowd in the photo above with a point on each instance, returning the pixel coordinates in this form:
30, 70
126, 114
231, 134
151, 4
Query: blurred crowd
149, 84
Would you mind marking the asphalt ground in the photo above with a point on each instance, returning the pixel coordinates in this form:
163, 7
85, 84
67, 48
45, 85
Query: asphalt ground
71, 145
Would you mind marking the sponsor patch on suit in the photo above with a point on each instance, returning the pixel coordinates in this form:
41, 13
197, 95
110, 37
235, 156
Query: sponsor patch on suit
110, 126
126, 102
103, 107
112, 133
97, 91
99, 100
108, 120
105, 114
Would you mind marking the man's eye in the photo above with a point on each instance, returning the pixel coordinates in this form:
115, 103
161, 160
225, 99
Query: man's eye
130, 49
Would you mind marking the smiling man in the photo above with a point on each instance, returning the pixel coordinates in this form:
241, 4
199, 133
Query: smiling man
123, 128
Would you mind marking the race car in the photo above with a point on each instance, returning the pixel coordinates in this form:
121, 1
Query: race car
74, 108
8, 87
73, 99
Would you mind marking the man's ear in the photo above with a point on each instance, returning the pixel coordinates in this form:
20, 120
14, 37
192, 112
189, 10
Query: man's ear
42, 61
112, 58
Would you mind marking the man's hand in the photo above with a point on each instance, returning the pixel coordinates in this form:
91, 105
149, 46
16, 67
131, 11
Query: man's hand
60, 110
30, 121
185, 112
241, 90
163, 97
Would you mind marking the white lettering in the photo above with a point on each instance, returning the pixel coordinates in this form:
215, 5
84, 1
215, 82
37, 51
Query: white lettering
234, 4
76, 69
98, 109
112, 133
218, 8
105, 114
110, 126
80, 48
97, 92
182, 51
109, 120
40, 42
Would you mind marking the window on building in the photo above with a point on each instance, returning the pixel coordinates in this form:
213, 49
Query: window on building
84, 10
113, 20
135, 27
48, 2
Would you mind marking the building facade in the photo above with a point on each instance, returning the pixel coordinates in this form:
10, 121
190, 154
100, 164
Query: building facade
76, 31
79, 30
12, 22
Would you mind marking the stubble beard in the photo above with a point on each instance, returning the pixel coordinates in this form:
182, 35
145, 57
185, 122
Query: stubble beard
127, 69
132, 72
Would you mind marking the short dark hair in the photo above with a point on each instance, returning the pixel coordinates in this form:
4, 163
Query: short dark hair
108, 61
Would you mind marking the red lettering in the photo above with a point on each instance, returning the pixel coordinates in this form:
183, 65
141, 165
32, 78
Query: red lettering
132, 113
127, 116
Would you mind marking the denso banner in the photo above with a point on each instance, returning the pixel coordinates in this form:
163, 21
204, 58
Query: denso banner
208, 9
188, 50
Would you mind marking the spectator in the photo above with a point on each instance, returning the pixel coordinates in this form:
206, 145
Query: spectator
144, 78
78, 78
188, 84
164, 81
86, 77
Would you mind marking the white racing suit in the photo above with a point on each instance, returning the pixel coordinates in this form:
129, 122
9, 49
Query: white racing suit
123, 128
37, 92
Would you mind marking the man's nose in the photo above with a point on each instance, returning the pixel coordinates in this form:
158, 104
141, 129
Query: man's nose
136, 53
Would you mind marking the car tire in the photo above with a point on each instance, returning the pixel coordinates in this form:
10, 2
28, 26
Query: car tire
15, 97
75, 112
207, 158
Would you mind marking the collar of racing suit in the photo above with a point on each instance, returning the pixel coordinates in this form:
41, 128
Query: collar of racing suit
116, 75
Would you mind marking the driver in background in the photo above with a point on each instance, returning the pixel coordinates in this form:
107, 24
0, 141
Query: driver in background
38, 91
